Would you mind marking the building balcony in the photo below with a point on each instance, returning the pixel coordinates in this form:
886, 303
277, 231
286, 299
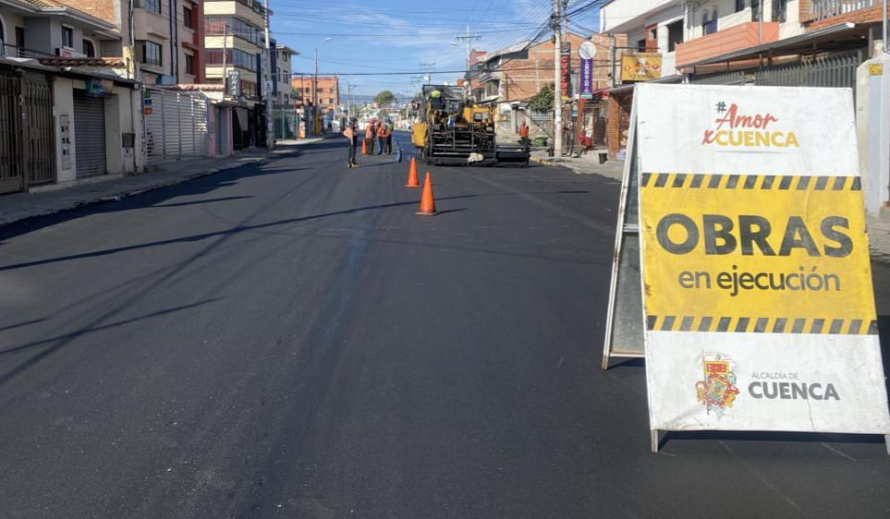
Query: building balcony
825, 9
728, 40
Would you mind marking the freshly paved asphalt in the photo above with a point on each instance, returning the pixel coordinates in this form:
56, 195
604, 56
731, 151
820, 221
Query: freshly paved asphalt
290, 340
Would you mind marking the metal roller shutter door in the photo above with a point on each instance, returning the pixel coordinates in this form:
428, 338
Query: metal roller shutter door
219, 131
89, 135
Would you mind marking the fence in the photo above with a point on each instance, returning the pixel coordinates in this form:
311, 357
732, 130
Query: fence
837, 70
726, 78
830, 71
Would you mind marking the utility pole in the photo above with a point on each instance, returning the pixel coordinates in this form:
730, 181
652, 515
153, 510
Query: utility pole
427, 68
270, 136
315, 96
225, 55
349, 88
468, 38
557, 75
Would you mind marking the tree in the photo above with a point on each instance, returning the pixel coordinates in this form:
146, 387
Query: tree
543, 100
384, 99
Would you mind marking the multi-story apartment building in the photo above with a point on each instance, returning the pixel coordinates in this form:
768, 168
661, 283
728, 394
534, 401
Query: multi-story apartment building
756, 42
235, 42
33, 28
326, 91
169, 40
283, 68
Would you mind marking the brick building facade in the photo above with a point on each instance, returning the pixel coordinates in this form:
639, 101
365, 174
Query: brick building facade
327, 89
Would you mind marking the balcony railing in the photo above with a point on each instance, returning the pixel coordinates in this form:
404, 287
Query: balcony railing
822, 9
11, 51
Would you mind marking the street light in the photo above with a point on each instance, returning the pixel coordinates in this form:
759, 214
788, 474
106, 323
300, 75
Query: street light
315, 88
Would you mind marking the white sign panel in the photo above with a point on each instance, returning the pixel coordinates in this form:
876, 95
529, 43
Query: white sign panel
757, 297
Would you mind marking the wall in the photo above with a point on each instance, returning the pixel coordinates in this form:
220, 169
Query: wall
10, 22
523, 78
119, 120
101, 9
156, 28
873, 128
42, 35
63, 104
623, 16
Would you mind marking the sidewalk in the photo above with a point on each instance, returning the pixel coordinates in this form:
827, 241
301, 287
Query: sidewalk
584, 165
54, 198
878, 228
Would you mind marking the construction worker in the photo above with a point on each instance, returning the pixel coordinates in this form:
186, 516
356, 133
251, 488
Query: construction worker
381, 138
523, 134
352, 138
370, 133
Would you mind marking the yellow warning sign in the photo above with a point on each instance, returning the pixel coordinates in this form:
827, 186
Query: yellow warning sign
756, 254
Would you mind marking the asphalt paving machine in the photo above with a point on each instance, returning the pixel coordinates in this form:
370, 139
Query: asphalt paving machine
453, 130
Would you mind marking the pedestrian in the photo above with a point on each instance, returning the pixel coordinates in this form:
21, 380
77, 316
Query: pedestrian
352, 137
381, 138
370, 134
523, 134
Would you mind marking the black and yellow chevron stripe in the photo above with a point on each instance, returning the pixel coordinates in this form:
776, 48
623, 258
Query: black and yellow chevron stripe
673, 323
761, 182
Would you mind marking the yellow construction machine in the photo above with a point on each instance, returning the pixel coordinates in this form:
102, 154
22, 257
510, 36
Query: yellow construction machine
453, 130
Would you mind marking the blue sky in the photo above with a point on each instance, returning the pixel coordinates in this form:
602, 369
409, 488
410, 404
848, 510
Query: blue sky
385, 36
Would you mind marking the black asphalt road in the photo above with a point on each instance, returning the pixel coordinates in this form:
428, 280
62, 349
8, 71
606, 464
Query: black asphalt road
290, 340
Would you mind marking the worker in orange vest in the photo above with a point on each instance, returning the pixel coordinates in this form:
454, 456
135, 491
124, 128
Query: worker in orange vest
370, 133
381, 137
523, 134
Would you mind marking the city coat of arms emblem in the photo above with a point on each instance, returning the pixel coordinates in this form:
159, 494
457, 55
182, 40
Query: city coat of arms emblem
717, 391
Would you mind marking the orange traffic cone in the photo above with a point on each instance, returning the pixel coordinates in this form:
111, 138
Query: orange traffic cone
412, 175
364, 147
427, 202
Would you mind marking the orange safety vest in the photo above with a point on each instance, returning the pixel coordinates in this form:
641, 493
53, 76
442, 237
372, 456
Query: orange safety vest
523, 131
369, 131
381, 130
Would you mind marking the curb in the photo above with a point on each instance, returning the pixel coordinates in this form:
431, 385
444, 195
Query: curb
545, 162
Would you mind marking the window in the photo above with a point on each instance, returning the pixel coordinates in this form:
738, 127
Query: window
217, 25
641, 45
675, 35
739, 5
780, 10
331, 90
151, 54
89, 49
755, 10
67, 37
189, 64
150, 5
187, 17
248, 89
709, 22
234, 58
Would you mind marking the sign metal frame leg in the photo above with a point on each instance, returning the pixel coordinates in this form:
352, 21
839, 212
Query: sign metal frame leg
887, 443
657, 436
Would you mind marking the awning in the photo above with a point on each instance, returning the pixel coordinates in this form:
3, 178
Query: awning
623, 89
